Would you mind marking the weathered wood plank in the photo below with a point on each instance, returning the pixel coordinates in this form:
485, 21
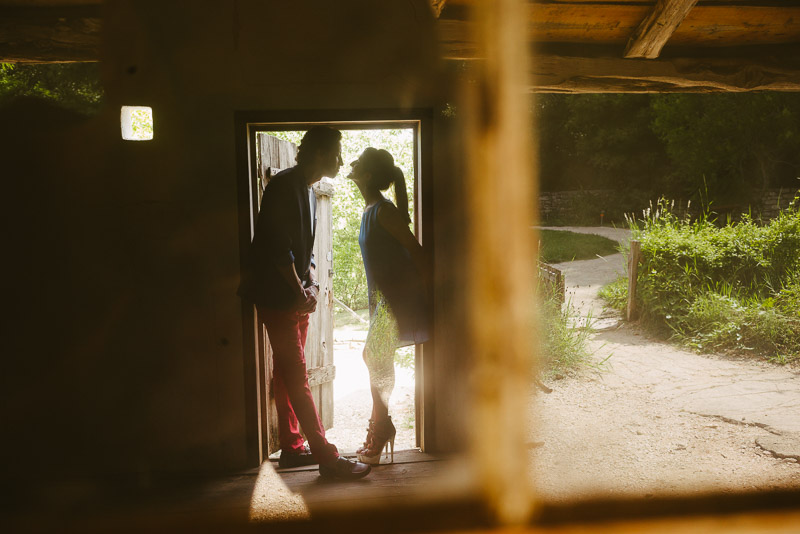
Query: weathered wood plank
552, 281
437, 6
705, 25
321, 375
656, 29
64, 34
386, 481
319, 346
573, 72
406, 456
633, 268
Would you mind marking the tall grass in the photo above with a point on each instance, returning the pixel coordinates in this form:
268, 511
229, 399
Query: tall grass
564, 335
720, 287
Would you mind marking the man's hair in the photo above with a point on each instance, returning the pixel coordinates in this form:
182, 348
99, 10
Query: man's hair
316, 139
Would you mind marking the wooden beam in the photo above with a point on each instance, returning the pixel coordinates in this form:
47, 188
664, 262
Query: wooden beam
707, 25
656, 29
36, 35
581, 70
496, 133
437, 6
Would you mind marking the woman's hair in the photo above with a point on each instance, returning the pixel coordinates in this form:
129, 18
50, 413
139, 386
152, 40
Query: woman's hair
380, 164
315, 139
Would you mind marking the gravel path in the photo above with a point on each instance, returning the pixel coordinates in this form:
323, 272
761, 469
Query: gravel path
652, 418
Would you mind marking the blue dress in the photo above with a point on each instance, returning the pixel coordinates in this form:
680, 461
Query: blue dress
392, 274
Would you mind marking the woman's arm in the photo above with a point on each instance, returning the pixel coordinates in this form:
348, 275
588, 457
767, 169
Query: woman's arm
393, 222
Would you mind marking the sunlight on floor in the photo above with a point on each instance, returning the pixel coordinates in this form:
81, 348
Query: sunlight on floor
273, 501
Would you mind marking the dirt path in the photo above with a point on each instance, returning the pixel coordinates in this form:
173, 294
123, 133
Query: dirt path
654, 418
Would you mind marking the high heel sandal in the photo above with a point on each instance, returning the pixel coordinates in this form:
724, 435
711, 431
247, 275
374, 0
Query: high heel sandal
383, 434
368, 440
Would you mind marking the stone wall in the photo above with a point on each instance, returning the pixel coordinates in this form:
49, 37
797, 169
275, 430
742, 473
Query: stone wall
590, 207
775, 200
609, 206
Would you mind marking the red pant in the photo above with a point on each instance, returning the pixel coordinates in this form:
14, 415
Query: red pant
287, 332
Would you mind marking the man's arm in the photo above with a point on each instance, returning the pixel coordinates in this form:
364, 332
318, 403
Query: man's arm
289, 273
305, 297
274, 225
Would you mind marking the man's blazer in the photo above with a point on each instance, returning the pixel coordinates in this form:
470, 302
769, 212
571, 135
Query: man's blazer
284, 234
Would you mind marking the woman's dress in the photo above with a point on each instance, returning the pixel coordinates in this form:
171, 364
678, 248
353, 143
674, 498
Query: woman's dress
393, 279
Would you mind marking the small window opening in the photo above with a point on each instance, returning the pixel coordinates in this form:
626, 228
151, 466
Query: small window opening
137, 123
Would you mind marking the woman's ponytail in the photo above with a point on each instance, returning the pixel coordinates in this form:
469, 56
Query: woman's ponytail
400, 193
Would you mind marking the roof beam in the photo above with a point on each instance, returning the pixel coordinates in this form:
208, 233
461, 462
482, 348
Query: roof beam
656, 29
437, 6
43, 34
707, 25
586, 69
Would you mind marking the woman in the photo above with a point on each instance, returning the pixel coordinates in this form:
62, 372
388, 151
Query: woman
394, 263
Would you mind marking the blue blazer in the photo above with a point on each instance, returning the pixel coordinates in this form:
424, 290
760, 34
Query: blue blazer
284, 234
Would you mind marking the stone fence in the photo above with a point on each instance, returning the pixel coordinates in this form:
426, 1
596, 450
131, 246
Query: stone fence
603, 206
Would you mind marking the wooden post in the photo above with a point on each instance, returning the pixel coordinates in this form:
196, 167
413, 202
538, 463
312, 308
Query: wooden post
633, 268
499, 270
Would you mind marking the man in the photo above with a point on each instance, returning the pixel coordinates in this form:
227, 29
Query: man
280, 280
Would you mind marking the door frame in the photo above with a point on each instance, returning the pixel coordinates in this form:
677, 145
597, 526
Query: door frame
247, 123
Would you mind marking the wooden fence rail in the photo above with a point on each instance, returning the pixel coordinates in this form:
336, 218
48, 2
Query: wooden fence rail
551, 280
633, 267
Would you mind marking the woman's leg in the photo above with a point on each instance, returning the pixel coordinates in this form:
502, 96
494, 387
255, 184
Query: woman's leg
379, 356
379, 352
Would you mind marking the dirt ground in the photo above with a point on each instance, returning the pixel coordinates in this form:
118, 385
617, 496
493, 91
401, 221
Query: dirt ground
646, 417
649, 418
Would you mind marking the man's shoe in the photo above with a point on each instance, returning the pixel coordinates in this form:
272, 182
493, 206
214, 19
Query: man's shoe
296, 459
344, 469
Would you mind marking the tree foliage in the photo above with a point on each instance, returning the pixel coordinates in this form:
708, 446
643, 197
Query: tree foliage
731, 143
670, 145
75, 86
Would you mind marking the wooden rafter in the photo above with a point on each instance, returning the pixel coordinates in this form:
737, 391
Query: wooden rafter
707, 25
656, 29
584, 70
43, 34
437, 6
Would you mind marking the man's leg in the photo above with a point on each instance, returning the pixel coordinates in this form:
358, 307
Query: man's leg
287, 336
289, 436
288, 426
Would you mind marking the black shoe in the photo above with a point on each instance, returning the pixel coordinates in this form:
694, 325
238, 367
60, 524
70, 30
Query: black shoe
296, 459
344, 469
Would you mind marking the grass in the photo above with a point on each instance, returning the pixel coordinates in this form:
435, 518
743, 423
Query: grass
564, 337
732, 287
564, 333
558, 246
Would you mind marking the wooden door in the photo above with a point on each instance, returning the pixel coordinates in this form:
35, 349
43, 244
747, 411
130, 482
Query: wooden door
319, 345
272, 156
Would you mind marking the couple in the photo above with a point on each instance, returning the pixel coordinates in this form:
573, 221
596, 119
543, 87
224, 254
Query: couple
280, 279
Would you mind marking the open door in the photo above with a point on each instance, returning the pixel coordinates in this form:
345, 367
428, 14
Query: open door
272, 156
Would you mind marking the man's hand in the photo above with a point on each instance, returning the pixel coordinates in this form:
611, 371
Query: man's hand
308, 300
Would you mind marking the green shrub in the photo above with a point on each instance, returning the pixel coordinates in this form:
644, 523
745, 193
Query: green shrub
717, 288
788, 298
712, 322
615, 293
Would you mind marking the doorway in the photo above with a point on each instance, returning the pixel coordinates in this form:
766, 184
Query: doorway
337, 375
